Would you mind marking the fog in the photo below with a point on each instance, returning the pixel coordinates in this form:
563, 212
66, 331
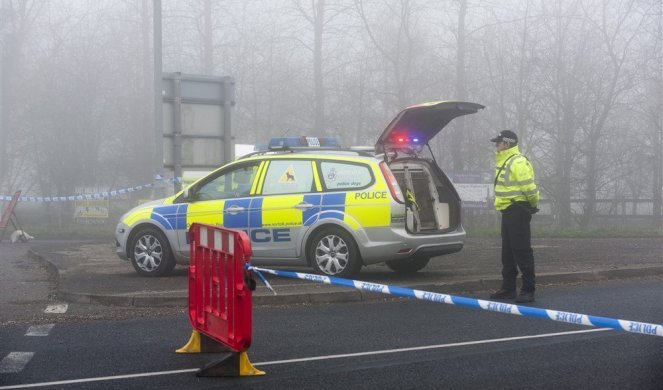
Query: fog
580, 82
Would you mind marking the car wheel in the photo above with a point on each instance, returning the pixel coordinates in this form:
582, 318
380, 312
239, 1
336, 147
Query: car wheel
151, 254
333, 252
408, 266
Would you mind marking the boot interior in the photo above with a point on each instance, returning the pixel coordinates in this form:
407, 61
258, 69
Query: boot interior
437, 206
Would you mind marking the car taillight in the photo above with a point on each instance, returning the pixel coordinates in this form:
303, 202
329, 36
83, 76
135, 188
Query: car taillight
392, 183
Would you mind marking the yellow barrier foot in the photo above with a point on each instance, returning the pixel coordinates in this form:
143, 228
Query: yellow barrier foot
245, 366
231, 364
199, 343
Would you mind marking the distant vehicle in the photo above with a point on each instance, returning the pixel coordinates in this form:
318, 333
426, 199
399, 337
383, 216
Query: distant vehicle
308, 202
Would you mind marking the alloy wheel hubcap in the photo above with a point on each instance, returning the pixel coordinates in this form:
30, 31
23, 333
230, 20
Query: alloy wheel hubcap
332, 254
148, 253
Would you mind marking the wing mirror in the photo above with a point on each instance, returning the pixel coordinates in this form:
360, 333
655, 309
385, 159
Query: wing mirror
189, 194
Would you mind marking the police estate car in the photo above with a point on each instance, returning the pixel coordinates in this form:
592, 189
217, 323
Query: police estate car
329, 208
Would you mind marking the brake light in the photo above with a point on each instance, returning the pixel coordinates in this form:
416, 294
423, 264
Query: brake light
394, 188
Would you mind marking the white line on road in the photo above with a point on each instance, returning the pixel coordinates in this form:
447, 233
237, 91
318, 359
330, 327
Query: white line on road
14, 362
427, 347
309, 359
39, 330
56, 309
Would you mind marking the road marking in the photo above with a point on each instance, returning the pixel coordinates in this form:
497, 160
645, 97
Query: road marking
39, 330
428, 347
56, 309
309, 359
15, 362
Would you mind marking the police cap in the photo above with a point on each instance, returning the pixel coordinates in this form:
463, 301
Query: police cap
506, 136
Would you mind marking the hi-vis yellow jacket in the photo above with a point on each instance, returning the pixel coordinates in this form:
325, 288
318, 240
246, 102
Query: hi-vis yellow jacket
514, 180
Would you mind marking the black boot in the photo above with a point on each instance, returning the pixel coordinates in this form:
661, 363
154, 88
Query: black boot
503, 294
525, 296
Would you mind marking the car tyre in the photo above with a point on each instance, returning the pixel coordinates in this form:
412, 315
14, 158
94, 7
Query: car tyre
333, 252
151, 254
408, 266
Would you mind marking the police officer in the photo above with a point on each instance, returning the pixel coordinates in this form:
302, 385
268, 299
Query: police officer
517, 198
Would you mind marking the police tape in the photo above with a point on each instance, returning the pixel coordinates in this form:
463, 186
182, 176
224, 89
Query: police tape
499, 307
95, 196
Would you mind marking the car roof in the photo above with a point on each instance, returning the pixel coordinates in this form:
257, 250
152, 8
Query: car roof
308, 151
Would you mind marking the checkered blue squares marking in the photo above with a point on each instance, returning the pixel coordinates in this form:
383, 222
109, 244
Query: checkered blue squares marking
233, 219
171, 217
310, 216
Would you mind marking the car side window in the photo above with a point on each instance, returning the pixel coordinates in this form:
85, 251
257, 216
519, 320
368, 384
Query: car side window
235, 183
345, 176
288, 177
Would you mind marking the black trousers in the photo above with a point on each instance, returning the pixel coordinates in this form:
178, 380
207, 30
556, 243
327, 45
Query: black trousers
517, 253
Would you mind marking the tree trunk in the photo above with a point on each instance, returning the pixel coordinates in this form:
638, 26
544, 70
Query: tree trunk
319, 90
208, 39
145, 96
589, 207
7, 65
5, 100
461, 88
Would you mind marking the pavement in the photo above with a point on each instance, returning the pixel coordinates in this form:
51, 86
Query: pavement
90, 272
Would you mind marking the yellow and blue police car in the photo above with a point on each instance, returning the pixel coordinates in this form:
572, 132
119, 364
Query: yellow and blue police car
317, 204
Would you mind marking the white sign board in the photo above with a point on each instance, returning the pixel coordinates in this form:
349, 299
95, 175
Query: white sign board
474, 194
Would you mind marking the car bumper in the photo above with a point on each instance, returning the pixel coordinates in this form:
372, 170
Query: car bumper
121, 236
396, 244
438, 250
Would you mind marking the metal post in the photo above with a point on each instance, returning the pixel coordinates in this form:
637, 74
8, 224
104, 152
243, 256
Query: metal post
6, 42
228, 97
3, 125
158, 88
177, 130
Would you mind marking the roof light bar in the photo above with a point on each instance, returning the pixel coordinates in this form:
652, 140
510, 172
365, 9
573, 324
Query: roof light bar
313, 142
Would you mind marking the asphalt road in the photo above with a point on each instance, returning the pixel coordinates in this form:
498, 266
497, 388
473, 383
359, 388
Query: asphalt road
360, 345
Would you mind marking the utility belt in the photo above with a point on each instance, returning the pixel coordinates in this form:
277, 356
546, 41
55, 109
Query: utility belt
523, 206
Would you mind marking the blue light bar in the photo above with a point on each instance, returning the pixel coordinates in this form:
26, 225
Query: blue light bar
285, 142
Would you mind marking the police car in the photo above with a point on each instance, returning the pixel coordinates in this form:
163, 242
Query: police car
308, 202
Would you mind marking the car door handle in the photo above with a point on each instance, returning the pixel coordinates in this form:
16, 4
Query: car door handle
303, 206
234, 209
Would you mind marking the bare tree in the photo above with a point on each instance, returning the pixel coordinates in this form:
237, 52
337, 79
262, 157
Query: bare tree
316, 18
18, 18
653, 107
618, 31
564, 63
458, 130
396, 46
567, 75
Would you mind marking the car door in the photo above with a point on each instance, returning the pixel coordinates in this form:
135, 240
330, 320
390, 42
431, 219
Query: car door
223, 199
288, 193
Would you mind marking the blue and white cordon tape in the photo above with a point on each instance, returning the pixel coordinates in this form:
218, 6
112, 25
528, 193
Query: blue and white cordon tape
500, 307
99, 195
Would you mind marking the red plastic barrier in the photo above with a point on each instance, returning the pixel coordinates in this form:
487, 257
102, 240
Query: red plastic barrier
219, 299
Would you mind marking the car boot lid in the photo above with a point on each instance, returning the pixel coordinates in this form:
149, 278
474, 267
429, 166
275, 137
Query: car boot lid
417, 125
